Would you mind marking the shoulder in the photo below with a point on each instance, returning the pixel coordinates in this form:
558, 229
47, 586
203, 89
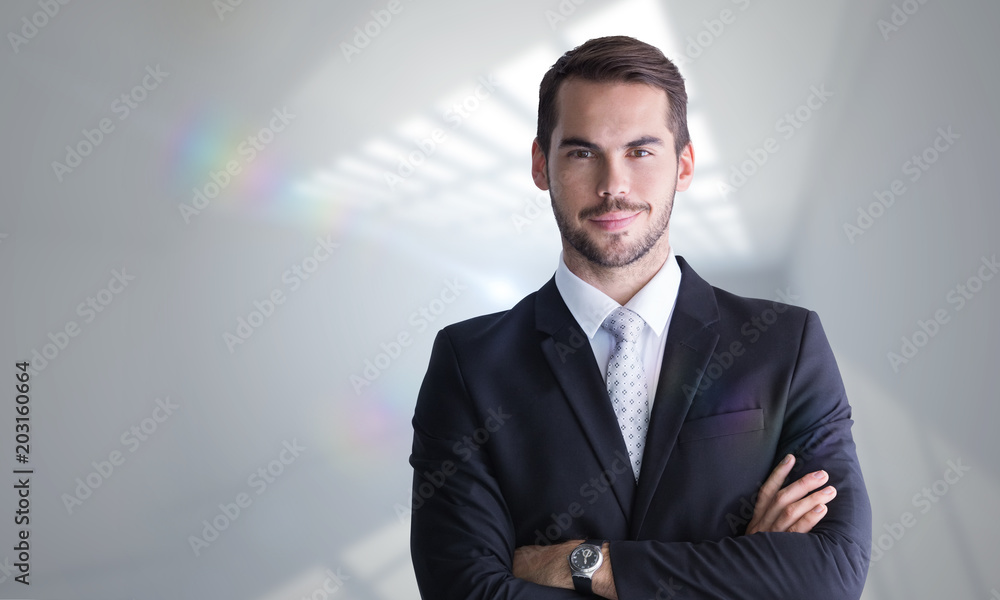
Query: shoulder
697, 295
747, 318
746, 307
492, 332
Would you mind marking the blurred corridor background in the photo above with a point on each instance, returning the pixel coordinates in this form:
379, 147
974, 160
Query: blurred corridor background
230, 230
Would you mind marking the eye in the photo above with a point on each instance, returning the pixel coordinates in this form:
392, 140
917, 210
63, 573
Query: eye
640, 152
581, 154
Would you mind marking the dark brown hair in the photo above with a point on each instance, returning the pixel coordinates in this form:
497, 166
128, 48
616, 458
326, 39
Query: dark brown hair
615, 59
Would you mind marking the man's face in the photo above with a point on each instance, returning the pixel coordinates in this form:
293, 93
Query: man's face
612, 170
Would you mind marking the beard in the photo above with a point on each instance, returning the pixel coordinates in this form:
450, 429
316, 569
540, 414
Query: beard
618, 252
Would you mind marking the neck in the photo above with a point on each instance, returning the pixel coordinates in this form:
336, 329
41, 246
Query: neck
618, 283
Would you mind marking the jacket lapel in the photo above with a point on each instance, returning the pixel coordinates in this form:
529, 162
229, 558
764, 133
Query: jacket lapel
571, 358
689, 346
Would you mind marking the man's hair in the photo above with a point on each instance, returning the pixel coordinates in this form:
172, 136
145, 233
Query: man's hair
615, 59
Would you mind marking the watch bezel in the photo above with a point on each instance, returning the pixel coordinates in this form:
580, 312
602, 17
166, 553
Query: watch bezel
577, 571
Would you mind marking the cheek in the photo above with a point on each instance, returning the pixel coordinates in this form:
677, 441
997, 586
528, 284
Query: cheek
573, 178
657, 179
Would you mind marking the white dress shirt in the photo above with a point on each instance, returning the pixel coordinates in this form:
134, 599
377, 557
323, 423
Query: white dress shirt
654, 303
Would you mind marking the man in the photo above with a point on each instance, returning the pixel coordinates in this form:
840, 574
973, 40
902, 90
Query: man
608, 435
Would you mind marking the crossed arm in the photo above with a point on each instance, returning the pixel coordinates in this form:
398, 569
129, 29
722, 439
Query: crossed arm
795, 509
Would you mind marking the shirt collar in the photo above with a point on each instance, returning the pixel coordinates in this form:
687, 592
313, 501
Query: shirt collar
590, 306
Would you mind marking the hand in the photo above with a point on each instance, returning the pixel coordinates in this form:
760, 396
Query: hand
790, 508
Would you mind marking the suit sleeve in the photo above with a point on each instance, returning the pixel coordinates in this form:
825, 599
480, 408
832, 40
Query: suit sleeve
461, 534
830, 562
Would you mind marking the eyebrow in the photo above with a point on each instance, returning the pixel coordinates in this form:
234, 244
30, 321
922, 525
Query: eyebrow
576, 142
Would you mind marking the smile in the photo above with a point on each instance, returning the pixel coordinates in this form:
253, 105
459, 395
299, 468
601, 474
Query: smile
614, 221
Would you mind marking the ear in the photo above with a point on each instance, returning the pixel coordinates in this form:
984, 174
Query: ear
538, 164
685, 168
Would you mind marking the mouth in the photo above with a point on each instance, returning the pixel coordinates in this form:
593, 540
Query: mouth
614, 221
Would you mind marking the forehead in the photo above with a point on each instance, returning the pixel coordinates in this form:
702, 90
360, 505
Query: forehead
608, 108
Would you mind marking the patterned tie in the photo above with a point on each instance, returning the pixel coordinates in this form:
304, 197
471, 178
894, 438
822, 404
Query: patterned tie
627, 382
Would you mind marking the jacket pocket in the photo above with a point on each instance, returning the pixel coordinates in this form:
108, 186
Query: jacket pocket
719, 425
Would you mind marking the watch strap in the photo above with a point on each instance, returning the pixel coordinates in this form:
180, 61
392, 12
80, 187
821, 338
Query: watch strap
583, 584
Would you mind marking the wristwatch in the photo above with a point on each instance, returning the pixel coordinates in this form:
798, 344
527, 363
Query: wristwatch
584, 561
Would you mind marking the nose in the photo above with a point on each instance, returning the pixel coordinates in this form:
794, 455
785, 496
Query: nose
614, 179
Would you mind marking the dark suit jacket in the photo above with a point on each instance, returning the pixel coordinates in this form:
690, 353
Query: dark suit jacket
515, 443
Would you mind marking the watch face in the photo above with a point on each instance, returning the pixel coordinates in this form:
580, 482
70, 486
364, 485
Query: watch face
585, 558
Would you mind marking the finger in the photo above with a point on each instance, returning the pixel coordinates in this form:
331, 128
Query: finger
802, 516
796, 491
809, 520
765, 495
774, 482
780, 513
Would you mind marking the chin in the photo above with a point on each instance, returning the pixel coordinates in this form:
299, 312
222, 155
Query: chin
616, 257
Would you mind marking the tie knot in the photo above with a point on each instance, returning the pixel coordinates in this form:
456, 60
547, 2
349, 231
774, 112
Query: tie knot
624, 324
